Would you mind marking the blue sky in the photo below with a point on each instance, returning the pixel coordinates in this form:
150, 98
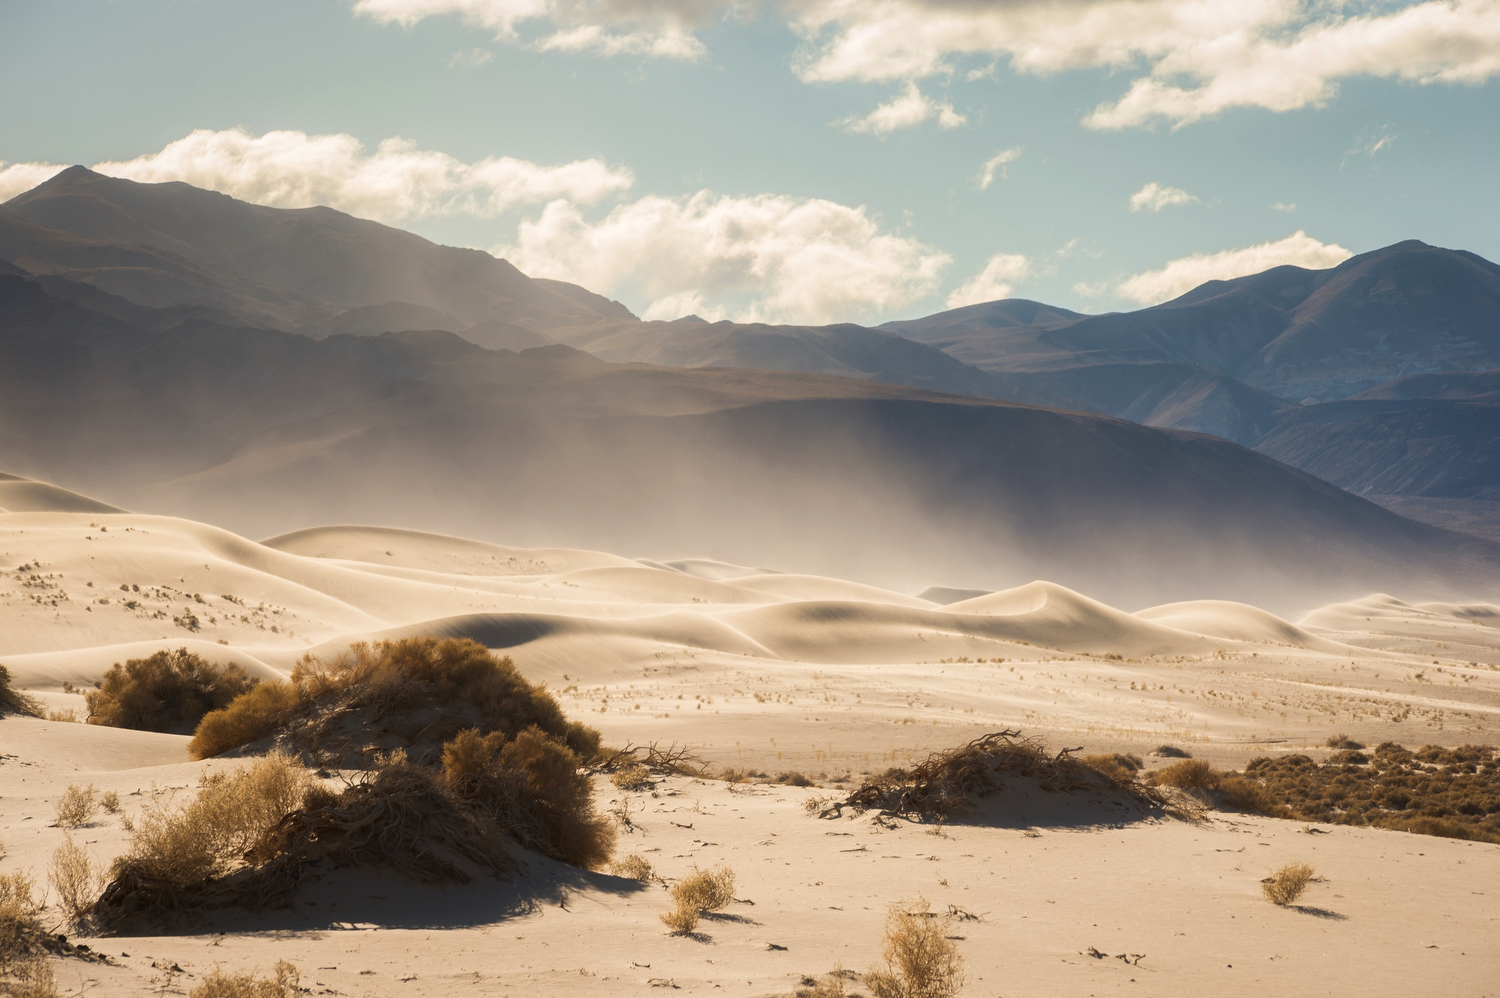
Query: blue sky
723, 158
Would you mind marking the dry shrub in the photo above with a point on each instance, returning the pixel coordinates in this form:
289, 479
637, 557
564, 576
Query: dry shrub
69, 716
170, 691
633, 867
1226, 791
76, 880
1287, 884
77, 806
1171, 752
632, 776
920, 961
699, 892
24, 944
217, 984
1342, 741
534, 788
705, 890
110, 801
395, 688
948, 783
793, 779
1115, 765
14, 701
1191, 774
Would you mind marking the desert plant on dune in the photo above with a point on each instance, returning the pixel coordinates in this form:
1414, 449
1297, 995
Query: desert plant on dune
76, 879
77, 805
170, 691
1116, 765
218, 984
1227, 791
385, 687
632, 776
15, 701
920, 961
24, 970
1342, 741
1286, 885
699, 892
633, 867
830, 985
948, 783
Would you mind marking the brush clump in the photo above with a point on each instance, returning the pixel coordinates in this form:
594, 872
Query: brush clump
15, 701
24, 943
170, 691
286, 983
949, 783
696, 894
920, 961
1286, 885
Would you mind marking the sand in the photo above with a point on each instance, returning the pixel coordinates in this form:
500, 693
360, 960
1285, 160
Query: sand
772, 672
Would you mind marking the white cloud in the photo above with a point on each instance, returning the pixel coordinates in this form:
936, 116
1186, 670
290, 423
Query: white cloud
1154, 197
1369, 145
654, 28
762, 258
995, 281
906, 110
1182, 275
18, 178
1283, 207
398, 180
1204, 56
469, 58
996, 164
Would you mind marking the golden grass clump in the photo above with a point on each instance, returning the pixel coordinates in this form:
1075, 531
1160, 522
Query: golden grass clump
1226, 791
389, 689
15, 701
24, 943
699, 892
110, 801
218, 984
920, 962
632, 776
1286, 885
170, 691
1116, 765
949, 783
633, 867
76, 879
77, 806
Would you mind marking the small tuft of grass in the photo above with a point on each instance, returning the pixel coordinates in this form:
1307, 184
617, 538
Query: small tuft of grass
632, 776
633, 867
77, 806
76, 879
920, 961
217, 984
1286, 885
699, 892
110, 801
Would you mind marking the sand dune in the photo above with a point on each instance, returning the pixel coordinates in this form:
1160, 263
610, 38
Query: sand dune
22, 495
1235, 621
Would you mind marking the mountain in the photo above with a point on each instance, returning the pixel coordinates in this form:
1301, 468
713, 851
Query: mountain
843, 349
266, 431
1297, 334
174, 244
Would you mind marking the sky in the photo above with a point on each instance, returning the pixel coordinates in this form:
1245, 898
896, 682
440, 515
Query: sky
804, 161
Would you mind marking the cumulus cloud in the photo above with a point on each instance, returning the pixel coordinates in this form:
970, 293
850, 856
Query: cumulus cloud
1154, 197
906, 110
761, 258
18, 178
1284, 207
1182, 275
652, 28
1202, 56
397, 181
995, 165
997, 280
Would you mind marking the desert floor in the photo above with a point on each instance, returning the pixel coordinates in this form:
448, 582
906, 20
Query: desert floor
769, 672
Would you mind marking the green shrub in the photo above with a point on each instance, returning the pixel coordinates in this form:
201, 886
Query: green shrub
170, 691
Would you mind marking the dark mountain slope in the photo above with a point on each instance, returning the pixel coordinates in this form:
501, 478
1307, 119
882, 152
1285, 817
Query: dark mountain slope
1456, 386
313, 255
1405, 309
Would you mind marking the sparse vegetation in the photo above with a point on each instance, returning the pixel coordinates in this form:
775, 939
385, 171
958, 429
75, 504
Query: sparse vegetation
170, 691
699, 892
15, 701
949, 783
218, 984
633, 867
1342, 742
76, 879
1171, 752
77, 806
1226, 791
1286, 885
632, 776
920, 961
1116, 765
24, 970
110, 801
383, 694
830, 985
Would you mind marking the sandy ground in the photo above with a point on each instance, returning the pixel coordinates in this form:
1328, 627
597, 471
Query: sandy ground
771, 673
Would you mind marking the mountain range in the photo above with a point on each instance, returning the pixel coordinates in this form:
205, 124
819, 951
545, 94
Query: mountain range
173, 349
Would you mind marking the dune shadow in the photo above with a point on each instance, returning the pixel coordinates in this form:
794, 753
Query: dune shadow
359, 899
